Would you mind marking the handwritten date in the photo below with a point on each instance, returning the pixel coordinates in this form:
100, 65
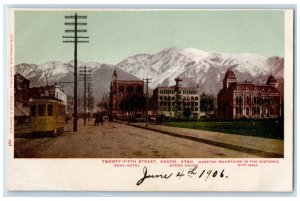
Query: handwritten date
191, 173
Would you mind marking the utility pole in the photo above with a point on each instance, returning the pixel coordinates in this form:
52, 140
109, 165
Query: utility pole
86, 77
147, 97
74, 38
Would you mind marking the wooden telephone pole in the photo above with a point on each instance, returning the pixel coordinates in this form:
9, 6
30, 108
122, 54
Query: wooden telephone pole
86, 73
75, 38
147, 101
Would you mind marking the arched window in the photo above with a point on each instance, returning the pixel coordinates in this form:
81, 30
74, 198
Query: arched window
237, 100
169, 97
173, 97
161, 98
248, 99
192, 98
121, 89
129, 89
240, 110
196, 98
247, 111
254, 99
165, 98
138, 89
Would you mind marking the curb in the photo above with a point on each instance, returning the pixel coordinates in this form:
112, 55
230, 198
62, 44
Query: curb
256, 152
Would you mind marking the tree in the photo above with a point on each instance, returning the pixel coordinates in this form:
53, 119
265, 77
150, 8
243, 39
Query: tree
207, 103
186, 113
104, 103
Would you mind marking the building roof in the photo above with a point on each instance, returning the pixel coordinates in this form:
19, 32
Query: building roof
130, 81
271, 79
229, 75
173, 87
249, 86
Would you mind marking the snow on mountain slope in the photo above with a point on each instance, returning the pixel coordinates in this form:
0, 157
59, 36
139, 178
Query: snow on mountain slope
56, 72
200, 68
196, 67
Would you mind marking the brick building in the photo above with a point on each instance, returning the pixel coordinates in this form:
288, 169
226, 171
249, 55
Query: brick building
171, 101
247, 100
122, 96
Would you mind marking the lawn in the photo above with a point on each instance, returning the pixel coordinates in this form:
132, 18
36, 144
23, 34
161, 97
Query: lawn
266, 128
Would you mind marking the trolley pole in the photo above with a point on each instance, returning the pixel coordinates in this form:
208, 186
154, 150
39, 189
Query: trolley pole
74, 39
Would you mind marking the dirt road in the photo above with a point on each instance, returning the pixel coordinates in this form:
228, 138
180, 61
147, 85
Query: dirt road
114, 140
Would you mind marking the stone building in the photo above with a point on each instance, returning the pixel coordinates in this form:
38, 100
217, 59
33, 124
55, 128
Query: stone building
171, 101
247, 100
122, 96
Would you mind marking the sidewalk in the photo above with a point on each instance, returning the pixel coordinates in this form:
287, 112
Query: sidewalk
263, 147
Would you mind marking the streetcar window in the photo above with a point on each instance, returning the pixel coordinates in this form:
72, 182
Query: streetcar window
42, 110
32, 110
50, 110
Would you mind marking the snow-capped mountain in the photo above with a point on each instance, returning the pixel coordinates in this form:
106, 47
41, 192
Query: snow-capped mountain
200, 68
55, 72
196, 67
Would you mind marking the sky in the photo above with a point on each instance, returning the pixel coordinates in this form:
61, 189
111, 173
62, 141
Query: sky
117, 35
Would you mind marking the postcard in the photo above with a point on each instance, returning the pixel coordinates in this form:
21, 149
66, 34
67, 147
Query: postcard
150, 100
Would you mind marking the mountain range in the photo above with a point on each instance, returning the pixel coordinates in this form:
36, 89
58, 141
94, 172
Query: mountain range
196, 67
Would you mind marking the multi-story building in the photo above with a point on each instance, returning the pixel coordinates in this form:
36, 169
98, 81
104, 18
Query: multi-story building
122, 95
172, 101
247, 100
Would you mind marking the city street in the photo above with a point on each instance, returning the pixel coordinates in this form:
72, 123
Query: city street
114, 140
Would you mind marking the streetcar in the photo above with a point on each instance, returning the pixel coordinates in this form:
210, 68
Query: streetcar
47, 116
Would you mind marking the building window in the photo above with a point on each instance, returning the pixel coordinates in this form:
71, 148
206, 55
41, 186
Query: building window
33, 110
173, 97
50, 110
240, 110
161, 98
121, 89
237, 110
129, 89
247, 111
139, 89
248, 99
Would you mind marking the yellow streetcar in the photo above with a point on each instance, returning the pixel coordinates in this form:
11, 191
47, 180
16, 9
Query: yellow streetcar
47, 115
